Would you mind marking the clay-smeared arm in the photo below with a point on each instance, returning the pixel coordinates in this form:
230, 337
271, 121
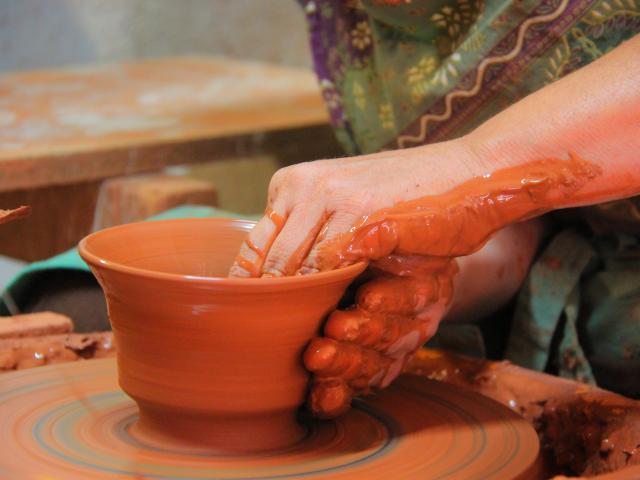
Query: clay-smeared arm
594, 112
590, 120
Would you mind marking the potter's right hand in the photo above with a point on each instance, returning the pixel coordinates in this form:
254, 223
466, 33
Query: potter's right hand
367, 346
310, 205
324, 215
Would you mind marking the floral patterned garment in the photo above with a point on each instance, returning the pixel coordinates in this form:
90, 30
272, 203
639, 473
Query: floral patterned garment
401, 73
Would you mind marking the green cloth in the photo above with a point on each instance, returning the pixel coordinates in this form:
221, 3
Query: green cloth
578, 314
70, 260
548, 305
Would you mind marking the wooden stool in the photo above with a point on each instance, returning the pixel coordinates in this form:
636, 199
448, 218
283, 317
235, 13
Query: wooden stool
132, 199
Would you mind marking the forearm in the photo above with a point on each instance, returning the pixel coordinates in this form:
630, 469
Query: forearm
594, 113
573, 143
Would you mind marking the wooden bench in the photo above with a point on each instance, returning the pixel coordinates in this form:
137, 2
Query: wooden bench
63, 132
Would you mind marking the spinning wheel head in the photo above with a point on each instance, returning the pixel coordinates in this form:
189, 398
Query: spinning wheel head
72, 421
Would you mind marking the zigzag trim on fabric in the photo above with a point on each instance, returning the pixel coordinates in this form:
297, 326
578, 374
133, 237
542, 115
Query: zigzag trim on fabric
405, 140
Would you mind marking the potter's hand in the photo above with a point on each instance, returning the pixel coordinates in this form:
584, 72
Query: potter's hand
312, 204
366, 347
363, 216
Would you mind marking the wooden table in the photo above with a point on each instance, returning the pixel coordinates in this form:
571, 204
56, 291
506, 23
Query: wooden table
63, 131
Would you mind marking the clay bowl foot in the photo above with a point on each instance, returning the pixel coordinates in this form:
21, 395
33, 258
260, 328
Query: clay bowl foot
210, 360
206, 434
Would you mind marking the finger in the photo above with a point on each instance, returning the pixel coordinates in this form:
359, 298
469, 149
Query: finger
327, 251
343, 370
329, 398
293, 243
411, 266
387, 334
358, 366
373, 241
398, 295
420, 281
249, 261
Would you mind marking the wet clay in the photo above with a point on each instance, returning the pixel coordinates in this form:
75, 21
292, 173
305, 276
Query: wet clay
29, 352
14, 214
254, 269
584, 430
461, 220
590, 435
210, 360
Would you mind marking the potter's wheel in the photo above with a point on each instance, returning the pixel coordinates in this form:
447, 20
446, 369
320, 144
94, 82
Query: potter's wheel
72, 421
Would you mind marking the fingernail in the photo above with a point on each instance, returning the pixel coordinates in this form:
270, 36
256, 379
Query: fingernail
330, 399
343, 325
307, 270
320, 354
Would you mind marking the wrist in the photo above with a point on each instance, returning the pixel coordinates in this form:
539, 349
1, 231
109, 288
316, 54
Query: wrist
493, 152
443, 166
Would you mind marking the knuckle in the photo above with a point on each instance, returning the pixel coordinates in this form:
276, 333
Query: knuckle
274, 265
279, 176
275, 184
294, 178
350, 201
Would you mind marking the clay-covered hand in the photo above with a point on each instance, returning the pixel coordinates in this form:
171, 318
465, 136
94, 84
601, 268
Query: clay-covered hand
310, 205
366, 346
328, 214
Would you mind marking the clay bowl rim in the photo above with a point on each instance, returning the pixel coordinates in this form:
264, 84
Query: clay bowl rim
295, 280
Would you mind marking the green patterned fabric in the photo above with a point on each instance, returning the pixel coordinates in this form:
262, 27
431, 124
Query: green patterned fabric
405, 73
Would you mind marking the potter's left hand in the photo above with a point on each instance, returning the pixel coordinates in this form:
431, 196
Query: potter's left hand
367, 346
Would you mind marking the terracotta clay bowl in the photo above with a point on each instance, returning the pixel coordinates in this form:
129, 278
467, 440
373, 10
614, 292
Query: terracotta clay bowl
210, 361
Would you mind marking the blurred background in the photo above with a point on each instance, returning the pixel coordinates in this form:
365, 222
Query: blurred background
38, 34
79, 146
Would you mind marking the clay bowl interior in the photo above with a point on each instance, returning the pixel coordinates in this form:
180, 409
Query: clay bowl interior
212, 362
